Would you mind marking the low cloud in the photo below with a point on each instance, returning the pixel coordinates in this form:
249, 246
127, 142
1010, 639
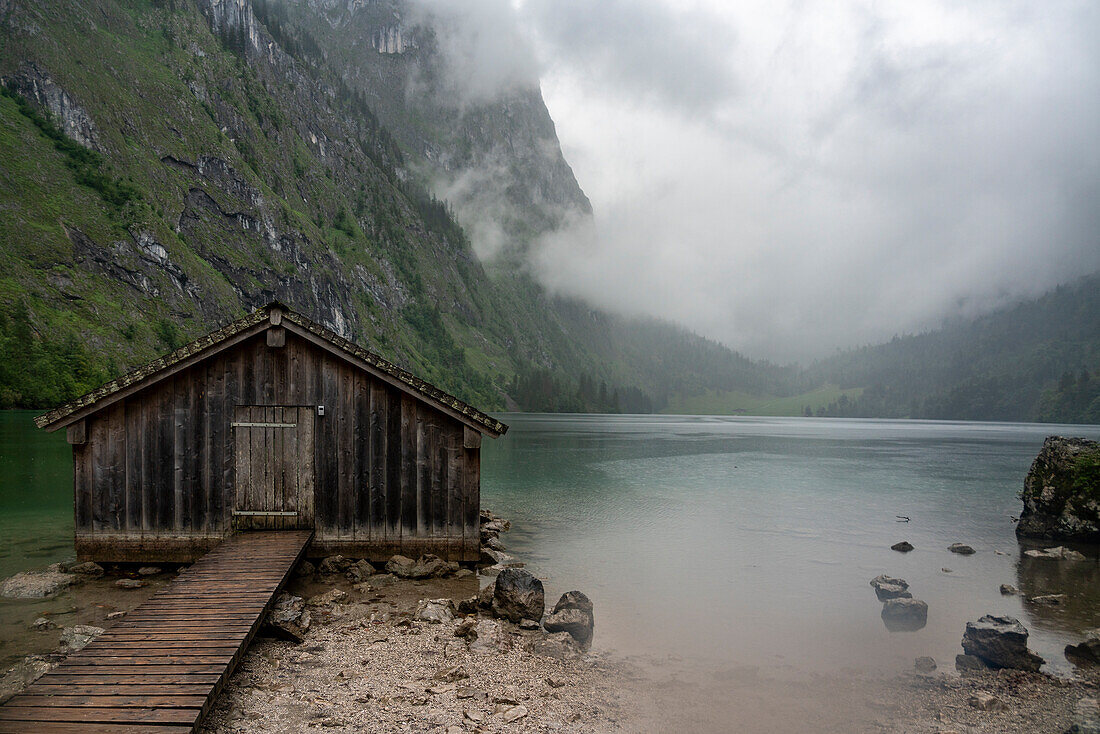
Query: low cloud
835, 174
794, 177
484, 51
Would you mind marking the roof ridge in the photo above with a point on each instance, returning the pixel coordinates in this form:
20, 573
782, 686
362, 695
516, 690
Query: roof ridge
219, 335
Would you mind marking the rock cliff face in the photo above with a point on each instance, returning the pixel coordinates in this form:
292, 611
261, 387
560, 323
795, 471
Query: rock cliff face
1062, 492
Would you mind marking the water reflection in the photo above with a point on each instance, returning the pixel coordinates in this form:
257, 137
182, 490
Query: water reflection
1071, 590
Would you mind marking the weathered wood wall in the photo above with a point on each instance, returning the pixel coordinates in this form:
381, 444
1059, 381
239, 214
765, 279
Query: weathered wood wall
155, 478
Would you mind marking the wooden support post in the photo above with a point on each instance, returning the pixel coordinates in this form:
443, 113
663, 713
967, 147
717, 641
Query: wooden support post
77, 433
471, 439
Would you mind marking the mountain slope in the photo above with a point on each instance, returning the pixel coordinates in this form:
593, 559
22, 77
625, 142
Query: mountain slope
1018, 363
188, 162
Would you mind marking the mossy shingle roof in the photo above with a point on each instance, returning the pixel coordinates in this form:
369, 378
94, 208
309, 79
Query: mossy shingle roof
215, 341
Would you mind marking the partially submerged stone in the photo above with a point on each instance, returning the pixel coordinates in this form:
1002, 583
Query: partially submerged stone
1000, 642
88, 568
903, 547
573, 614
1059, 553
961, 548
333, 565
1087, 652
129, 583
36, 584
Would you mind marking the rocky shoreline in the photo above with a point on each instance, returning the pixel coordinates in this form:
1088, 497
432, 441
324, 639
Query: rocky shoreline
420, 645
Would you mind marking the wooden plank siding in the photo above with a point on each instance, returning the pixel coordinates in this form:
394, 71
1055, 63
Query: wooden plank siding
155, 478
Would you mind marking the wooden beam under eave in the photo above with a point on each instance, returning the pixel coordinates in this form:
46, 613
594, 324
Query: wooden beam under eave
276, 337
471, 439
77, 433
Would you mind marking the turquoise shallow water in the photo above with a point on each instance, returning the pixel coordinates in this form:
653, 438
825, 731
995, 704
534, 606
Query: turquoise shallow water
734, 540
752, 540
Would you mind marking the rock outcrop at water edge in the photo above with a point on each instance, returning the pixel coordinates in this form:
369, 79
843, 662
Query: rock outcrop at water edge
1061, 493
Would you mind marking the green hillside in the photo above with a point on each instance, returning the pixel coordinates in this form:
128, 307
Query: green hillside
190, 163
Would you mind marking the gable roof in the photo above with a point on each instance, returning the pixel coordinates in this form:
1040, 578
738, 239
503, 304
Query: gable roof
260, 320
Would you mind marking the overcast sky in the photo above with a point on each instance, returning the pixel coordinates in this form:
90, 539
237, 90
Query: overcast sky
793, 177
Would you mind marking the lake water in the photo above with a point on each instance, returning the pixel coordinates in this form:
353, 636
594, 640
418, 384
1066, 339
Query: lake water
744, 541
752, 540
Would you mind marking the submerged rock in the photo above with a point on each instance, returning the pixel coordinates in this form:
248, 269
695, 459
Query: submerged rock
427, 566
1009, 590
903, 547
87, 568
904, 615
925, 665
572, 614
518, 595
332, 596
1049, 600
961, 548
36, 584
1087, 652
129, 583
1060, 553
1000, 642
1061, 493
149, 570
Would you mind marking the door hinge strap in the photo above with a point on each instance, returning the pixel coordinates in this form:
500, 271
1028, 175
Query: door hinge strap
264, 425
251, 513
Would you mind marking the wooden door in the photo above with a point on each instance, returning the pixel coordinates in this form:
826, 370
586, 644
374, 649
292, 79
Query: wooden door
273, 462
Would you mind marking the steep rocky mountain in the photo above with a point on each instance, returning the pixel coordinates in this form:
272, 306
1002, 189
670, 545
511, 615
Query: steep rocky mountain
170, 164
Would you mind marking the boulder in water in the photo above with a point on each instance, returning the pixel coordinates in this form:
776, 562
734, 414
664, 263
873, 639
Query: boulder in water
1061, 493
903, 547
572, 614
961, 548
1000, 642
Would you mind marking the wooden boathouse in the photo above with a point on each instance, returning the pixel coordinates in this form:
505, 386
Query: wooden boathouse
273, 422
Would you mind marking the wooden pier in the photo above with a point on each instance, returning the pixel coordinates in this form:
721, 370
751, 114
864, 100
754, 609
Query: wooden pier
160, 667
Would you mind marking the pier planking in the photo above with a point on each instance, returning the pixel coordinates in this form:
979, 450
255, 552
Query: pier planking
160, 669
